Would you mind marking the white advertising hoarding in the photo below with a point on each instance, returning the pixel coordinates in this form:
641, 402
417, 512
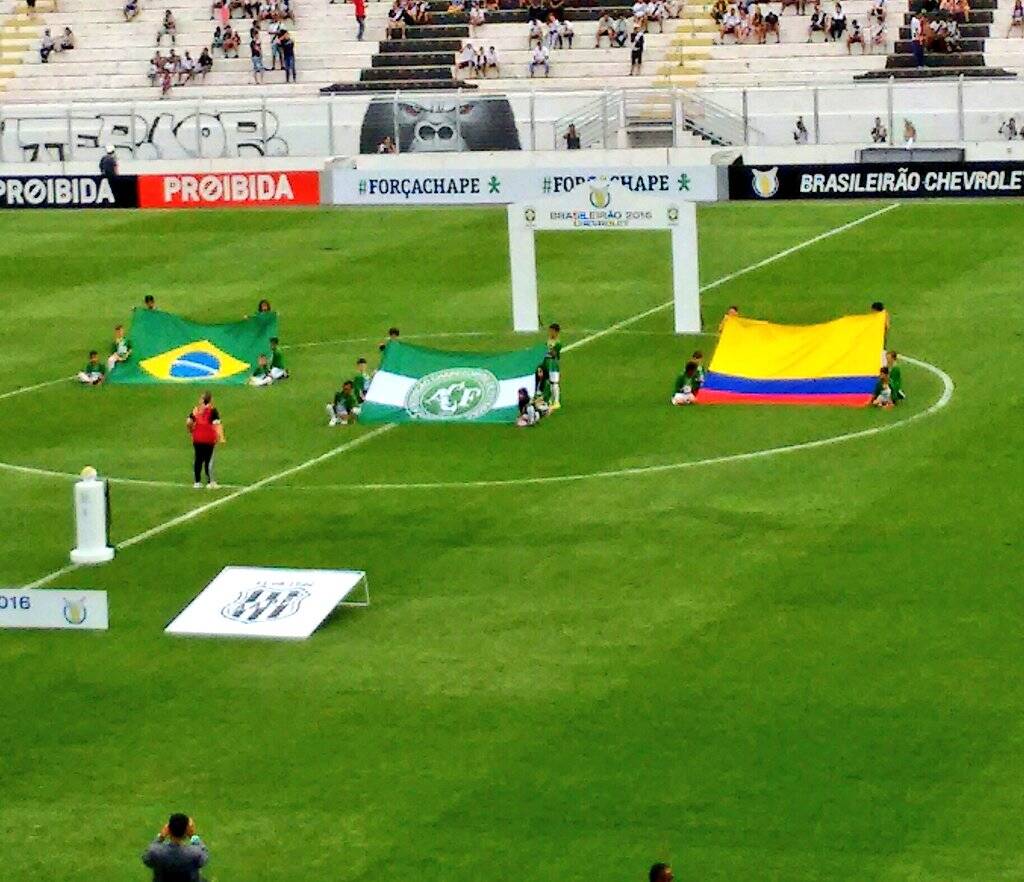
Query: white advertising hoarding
699, 183
267, 602
68, 608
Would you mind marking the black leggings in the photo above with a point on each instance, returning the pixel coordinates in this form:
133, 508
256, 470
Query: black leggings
203, 460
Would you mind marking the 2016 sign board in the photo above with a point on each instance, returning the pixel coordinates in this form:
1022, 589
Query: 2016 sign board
66, 608
269, 602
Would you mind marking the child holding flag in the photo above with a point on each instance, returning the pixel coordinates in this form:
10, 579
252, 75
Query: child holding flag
552, 363
120, 349
345, 407
687, 385
93, 373
261, 375
277, 368
361, 381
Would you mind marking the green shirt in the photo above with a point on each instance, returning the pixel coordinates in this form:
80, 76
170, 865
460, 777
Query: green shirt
121, 347
276, 359
261, 371
346, 400
96, 368
553, 357
361, 382
896, 382
544, 391
684, 380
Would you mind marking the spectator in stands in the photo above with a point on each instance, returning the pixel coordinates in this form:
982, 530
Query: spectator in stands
757, 25
168, 27
491, 61
799, 5
657, 12
566, 34
952, 36
855, 36
186, 69
1016, 18
606, 28
554, 33
819, 22
571, 138
231, 42
837, 25
918, 38
621, 31
467, 58
46, 47
536, 34
165, 80
108, 163
67, 41
535, 11
962, 11
730, 22
130, 9
396, 22
155, 64
1009, 129
800, 133
256, 54
276, 59
387, 146
909, 134
718, 10
539, 59
205, 63
771, 26
636, 54
640, 15
217, 41
477, 16
288, 55
879, 133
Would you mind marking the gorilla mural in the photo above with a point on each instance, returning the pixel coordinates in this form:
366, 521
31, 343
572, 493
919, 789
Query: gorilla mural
440, 125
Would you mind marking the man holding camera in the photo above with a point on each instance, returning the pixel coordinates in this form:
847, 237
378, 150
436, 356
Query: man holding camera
177, 853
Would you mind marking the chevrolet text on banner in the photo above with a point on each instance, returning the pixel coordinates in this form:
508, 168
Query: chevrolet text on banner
68, 191
71, 609
834, 363
166, 348
479, 186
901, 180
230, 189
417, 384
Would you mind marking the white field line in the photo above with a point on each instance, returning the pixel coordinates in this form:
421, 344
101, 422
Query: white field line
362, 439
943, 399
23, 389
224, 500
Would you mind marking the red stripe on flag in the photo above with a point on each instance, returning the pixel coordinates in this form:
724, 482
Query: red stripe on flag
712, 396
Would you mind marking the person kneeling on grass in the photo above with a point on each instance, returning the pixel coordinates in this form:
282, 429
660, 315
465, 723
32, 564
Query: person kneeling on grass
261, 376
895, 377
687, 385
93, 373
528, 414
882, 396
277, 369
345, 407
120, 349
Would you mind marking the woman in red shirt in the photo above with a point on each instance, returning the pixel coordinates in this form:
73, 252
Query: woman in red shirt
207, 432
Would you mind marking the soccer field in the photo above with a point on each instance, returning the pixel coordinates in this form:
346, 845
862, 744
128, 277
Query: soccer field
760, 643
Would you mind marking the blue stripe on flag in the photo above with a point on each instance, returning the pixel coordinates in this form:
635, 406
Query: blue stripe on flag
819, 386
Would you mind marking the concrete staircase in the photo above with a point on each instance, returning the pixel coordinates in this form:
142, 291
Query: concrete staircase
20, 33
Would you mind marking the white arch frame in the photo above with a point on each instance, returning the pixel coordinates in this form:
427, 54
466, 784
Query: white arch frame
604, 206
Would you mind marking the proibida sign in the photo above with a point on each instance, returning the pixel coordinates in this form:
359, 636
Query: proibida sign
68, 191
924, 180
229, 190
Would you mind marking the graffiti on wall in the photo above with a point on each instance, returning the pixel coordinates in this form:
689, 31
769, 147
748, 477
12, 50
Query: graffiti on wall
138, 135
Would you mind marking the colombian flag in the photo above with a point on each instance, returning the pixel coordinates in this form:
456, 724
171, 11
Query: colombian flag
835, 363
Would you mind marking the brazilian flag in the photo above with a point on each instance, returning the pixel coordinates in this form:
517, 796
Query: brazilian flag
169, 349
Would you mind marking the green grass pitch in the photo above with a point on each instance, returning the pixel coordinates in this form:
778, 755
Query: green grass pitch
804, 666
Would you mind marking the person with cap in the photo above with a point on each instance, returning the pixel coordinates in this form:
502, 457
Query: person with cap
108, 163
177, 854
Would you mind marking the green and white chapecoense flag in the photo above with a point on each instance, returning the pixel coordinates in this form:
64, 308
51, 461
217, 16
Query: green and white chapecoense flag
417, 384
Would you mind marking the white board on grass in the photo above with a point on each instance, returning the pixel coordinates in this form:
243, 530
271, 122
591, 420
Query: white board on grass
267, 602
